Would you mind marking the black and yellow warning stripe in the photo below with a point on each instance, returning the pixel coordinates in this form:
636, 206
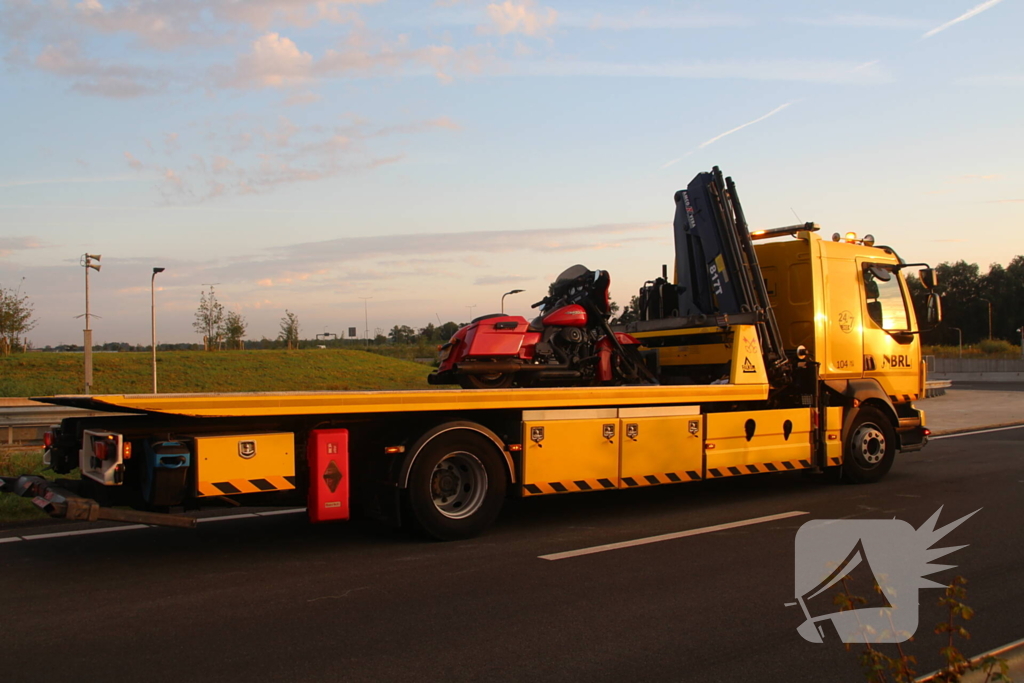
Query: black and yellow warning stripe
835, 461
537, 489
666, 478
757, 468
237, 486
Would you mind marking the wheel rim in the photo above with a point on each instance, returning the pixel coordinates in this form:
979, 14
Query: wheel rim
869, 444
458, 485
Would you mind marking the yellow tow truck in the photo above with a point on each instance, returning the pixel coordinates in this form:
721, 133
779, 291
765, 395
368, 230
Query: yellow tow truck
774, 350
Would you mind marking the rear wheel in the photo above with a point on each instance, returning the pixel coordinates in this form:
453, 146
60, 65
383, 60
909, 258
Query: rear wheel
870, 447
457, 486
497, 380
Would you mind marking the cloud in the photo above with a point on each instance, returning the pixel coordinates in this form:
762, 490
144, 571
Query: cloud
276, 61
718, 137
519, 17
973, 12
68, 181
133, 162
92, 77
9, 245
863, 21
301, 99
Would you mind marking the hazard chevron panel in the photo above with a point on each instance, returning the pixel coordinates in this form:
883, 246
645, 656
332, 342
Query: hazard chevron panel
237, 486
758, 468
244, 463
540, 489
655, 479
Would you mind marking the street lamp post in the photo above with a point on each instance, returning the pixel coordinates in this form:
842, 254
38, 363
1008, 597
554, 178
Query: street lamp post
471, 311
152, 308
514, 291
366, 320
960, 338
87, 262
989, 316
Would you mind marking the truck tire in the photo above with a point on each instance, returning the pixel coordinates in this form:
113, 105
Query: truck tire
456, 486
870, 447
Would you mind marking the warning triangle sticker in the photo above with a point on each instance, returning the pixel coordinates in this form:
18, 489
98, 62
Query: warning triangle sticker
748, 366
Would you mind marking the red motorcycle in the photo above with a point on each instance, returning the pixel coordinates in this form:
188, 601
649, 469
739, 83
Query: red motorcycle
568, 344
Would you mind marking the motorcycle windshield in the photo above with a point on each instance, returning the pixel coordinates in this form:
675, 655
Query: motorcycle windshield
572, 273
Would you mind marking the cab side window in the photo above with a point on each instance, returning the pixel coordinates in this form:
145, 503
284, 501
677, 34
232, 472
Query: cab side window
884, 296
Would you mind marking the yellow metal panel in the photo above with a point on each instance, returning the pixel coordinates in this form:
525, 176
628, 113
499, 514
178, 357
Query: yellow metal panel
229, 464
658, 450
747, 360
834, 435
453, 400
570, 450
730, 450
695, 354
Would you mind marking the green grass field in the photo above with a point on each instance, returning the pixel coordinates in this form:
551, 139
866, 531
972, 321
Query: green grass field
47, 374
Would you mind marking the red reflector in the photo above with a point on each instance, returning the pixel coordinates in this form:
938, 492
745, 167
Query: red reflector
100, 450
515, 447
48, 439
926, 431
126, 450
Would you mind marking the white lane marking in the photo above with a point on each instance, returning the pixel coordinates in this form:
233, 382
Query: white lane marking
85, 532
668, 537
224, 518
132, 527
273, 513
980, 431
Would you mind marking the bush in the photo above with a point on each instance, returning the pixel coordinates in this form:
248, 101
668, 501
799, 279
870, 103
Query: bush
993, 346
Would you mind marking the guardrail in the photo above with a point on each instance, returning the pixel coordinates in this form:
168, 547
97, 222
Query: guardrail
24, 425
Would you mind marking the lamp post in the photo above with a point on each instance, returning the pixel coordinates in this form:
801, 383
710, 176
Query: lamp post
960, 337
989, 316
366, 320
87, 263
514, 291
152, 308
471, 311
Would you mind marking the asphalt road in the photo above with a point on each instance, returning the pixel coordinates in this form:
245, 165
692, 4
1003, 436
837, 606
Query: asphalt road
273, 599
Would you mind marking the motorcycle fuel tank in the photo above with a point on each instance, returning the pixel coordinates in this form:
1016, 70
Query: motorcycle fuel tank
567, 316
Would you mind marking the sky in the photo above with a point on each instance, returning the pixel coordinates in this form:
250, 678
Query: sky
433, 155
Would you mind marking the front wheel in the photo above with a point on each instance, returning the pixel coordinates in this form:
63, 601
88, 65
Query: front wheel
457, 486
870, 447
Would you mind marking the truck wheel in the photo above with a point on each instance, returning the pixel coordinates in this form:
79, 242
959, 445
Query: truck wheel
457, 487
870, 447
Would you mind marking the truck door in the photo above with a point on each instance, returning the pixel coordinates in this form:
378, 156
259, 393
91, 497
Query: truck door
891, 350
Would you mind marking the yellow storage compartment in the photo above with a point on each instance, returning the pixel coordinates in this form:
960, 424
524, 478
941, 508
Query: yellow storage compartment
246, 463
570, 450
758, 441
661, 445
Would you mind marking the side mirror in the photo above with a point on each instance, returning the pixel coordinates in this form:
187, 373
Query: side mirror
881, 274
929, 278
933, 308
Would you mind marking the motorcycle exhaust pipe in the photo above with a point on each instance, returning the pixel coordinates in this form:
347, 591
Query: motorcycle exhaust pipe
491, 368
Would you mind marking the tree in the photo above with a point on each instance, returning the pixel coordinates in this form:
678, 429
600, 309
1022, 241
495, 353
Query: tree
401, 334
630, 312
428, 333
209, 320
234, 330
289, 330
15, 320
445, 332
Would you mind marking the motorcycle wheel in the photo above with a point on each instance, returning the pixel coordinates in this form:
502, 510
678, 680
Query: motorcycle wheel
498, 380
